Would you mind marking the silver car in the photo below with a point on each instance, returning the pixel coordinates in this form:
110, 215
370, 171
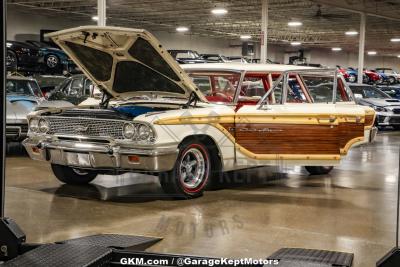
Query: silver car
24, 96
387, 108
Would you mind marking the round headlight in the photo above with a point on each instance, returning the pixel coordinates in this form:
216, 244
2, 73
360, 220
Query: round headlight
34, 125
129, 131
144, 132
44, 126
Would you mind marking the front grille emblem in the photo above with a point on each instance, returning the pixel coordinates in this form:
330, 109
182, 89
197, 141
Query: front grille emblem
81, 129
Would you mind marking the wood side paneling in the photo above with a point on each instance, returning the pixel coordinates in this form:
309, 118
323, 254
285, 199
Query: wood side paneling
369, 120
349, 131
287, 138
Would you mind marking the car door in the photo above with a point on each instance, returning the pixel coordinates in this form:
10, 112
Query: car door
286, 125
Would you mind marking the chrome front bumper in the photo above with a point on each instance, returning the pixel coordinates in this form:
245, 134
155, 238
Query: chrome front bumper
88, 155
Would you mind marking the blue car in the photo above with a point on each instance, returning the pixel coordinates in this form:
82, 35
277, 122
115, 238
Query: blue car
55, 60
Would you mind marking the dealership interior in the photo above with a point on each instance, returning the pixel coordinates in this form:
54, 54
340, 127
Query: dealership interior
326, 196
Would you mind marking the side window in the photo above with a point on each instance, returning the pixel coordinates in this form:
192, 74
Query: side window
276, 97
204, 84
295, 92
87, 87
252, 88
76, 87
65, 87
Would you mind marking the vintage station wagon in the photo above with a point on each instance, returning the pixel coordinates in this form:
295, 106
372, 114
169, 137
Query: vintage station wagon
190, 126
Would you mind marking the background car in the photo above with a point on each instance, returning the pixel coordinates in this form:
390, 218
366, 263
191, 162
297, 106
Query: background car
238, 59
23, 96
392, 90
214, 58
22, 57
387, 108
186, 56
393, 76
55, 60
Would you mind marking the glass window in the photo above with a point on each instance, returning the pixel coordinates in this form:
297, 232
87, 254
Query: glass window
276, 96
252, 89
87, 88
295, 92
368, 92
217, 87
23, 87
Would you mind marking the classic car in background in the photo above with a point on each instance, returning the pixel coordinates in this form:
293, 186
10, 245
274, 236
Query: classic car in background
238, 59
161, 123
75, 89
214, 58
387, 108
393, 76
22, 57
55, 60
23, 95
186, 56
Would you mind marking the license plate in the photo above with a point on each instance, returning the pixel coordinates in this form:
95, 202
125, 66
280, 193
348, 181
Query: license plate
78, 159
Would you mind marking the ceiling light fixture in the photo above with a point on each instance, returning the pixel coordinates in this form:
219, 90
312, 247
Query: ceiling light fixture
295, 43
95, 18
182, 29
336, 49
398, 56
219, 11
372, 53
295, 23
352, 33
245, 37
395, 40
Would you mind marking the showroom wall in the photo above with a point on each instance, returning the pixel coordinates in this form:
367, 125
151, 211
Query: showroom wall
22, 26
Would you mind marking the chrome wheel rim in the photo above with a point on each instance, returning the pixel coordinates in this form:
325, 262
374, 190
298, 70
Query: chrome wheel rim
52, 61
80, 172
192, 168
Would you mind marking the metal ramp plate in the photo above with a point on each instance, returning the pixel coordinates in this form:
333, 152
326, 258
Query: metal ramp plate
314, 258
64, 255
114, 241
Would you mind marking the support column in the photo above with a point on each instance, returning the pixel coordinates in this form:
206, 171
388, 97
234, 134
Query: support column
3, 105
361, 45
101, 12
264, 31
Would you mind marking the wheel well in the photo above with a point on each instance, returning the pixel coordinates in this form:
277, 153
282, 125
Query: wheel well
211, 145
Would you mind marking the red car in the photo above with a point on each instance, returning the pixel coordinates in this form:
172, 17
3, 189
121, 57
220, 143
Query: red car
372, 77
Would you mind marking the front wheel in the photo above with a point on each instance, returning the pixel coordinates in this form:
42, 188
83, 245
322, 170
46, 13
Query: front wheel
319, 170
73, 176
191, 172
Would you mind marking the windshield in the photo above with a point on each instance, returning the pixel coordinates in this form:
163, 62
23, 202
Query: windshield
217, 87
368, 92
23, 87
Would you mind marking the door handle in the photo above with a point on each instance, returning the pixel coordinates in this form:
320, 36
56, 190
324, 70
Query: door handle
326, 120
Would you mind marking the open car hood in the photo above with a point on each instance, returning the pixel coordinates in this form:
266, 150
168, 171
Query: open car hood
125, 62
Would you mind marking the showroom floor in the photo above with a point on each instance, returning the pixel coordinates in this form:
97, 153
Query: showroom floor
351, 210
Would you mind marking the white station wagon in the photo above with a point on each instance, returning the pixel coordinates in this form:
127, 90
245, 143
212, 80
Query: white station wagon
190, 126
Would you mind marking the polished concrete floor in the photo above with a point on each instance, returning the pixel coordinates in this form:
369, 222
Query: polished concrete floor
259, 211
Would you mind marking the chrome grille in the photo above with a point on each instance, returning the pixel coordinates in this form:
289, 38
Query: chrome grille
86, 127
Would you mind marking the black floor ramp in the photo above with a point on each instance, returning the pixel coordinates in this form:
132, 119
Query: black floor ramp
89, 251
114, 241
63, 255
298, 257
